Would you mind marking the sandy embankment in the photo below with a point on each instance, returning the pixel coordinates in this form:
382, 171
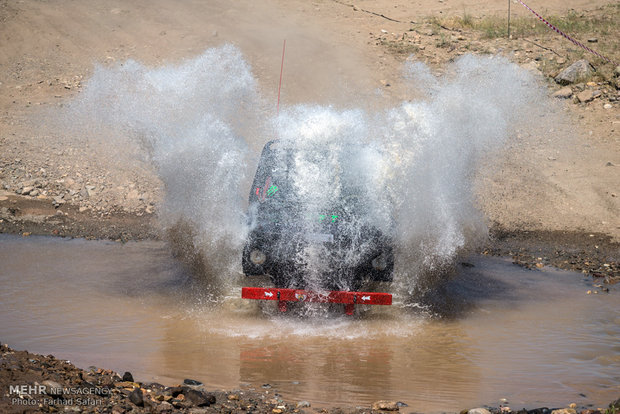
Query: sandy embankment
336, 54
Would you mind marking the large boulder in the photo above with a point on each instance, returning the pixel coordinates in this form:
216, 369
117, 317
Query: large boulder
577, 71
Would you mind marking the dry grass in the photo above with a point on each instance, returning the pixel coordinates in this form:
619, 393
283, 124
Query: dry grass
602, 24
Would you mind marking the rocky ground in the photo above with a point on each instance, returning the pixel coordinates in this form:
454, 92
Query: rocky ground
46, 384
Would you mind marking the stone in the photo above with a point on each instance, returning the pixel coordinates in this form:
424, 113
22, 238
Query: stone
563, 93
608, 106
199, 398
133, 195
586, 96
136, 397
578, 70
592, 40
27, 190
532, 67
478, 411
303, 404
191, 382
164, 407
173, 391
385, 405
617, 71
127, 377
52, 388
564, 411
542, 410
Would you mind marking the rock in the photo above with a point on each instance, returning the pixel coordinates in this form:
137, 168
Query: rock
173, 391
532, 67
478, 411
303, 404
542, 410
127, 384
586, 96
385, 405
617, 71
608, 106
191, 382
27, 190
199, 398
616, 404
578, 70
127, 377
592, 40
563, 93
133, 195
164, 407
564, 411
90, 190
136, 397
52, 388
232, 397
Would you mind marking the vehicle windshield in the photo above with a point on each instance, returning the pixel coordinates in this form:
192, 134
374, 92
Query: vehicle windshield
291, 184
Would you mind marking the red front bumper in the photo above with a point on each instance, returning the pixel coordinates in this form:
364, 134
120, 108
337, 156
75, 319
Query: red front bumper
349, 299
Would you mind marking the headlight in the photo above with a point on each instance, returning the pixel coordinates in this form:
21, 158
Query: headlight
257, 257
379, 263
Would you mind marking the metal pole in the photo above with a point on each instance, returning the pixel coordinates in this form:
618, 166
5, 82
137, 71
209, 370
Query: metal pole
508, 19
281, 70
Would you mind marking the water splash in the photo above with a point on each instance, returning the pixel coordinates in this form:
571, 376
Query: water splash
189, 120
414, 166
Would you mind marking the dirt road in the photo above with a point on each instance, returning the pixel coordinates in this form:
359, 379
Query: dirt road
337, 54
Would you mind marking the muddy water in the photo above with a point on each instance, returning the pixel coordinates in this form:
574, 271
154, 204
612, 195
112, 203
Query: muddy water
532, 337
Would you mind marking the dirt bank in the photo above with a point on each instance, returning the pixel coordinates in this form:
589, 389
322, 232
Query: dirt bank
32, 383
567, 178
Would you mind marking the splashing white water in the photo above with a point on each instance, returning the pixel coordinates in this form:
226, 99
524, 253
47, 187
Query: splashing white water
414, 166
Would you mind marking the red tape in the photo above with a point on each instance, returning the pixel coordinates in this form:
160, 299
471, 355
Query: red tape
576, 42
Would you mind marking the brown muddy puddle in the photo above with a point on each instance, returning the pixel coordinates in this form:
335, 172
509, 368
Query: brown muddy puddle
534, 338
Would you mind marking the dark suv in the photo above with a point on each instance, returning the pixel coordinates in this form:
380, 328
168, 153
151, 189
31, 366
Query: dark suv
300, 242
